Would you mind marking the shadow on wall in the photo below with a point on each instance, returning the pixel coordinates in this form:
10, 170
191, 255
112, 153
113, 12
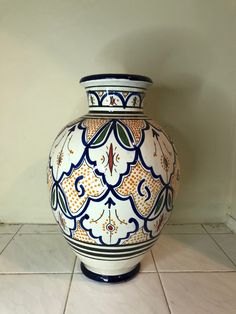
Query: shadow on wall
184, 103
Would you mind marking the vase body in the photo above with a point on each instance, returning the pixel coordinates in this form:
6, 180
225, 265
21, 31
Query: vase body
113, 175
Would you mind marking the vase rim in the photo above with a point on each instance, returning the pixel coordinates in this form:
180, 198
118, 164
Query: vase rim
121, 76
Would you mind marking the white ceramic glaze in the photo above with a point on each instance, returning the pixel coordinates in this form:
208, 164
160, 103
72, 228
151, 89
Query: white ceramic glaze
113, 175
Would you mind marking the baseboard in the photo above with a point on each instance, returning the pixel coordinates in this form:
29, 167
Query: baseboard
231, 223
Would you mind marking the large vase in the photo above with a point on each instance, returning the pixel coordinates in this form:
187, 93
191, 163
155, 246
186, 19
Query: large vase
113, 175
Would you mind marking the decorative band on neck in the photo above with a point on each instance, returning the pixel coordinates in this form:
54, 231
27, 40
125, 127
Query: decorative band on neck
115, 99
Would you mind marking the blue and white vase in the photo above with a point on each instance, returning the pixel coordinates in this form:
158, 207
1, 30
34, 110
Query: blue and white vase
113, 175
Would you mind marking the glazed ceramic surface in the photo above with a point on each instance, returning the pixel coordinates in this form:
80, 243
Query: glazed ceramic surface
112, 175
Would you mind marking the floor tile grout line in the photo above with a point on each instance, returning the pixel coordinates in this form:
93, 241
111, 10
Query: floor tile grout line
163, 290
185, 223
196, 271
219, 246
57, 273
154, 261
45, 233
19, 228
194, 233
36, 273
162, 285
169, 233
68, 292
77, 261
208, 232
229, 230
185, 233
42, 232
141, 272
13, 235
146, 272
7, 244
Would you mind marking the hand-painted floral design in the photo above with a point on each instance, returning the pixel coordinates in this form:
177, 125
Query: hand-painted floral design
112, 181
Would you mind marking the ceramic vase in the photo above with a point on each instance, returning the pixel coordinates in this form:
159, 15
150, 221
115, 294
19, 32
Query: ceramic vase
113, 175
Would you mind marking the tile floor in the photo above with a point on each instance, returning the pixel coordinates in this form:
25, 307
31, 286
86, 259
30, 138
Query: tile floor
192, 269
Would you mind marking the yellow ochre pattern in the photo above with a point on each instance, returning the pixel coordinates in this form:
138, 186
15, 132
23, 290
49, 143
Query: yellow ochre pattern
49, 179
81, 235
139, 236
89, 184
129, 186
135, 127
92, 126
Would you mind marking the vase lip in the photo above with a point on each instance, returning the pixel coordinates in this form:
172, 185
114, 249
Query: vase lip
116, 76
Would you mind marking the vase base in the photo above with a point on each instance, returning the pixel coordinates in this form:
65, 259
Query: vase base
109, 278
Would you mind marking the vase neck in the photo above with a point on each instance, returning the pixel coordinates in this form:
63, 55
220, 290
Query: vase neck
115, 99
112, 95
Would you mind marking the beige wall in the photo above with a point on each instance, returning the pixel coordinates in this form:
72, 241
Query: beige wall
187, 47
233, 211
233, 208
232, 205
231, 217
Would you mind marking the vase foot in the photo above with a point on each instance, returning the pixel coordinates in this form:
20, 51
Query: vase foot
109, 278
